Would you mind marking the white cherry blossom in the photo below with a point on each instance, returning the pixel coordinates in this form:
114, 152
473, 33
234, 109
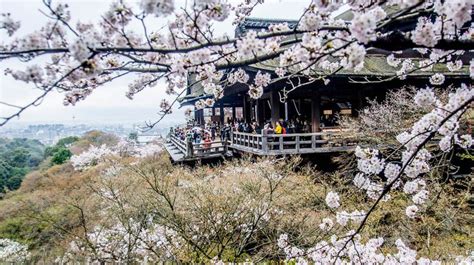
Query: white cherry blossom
332, 199
411, 211
437, 79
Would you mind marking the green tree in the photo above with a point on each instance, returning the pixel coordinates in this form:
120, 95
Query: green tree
62, 143
14, 182
61, 155
18, 157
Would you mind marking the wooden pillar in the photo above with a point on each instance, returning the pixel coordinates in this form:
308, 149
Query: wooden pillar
247, 110
358, 103
315, 111
199, 116
275, 103
233, 113
259, 107
221, 111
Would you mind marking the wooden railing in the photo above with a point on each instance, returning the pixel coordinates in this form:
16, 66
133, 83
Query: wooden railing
180, 144
295, 143
268, 144
200, 150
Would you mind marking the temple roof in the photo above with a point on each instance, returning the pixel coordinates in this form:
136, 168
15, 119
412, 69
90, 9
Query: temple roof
260, 24
375, 63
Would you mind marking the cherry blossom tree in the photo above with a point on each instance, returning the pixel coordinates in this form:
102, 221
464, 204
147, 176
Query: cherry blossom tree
79, 58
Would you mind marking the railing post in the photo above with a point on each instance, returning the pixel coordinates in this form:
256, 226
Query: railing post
264, 141
226, 148
297, 143
189, 147
281, 142
313, 141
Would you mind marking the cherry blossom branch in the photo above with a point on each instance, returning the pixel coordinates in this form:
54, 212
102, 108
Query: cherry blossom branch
38, 100
388, 187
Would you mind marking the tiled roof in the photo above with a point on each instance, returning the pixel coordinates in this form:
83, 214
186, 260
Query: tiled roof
259, 24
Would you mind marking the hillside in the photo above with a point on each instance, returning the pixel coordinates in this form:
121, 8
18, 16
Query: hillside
130, 203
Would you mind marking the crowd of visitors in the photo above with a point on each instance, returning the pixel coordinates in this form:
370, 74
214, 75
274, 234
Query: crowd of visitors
214, 130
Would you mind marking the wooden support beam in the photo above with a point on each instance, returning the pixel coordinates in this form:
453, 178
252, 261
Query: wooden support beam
275, 103
247, 109
315, 111
259, 107
221, 112
199, 116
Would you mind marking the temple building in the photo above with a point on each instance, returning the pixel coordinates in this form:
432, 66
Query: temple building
318, 104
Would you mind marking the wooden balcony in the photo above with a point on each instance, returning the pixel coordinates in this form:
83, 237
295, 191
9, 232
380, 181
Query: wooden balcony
261, 144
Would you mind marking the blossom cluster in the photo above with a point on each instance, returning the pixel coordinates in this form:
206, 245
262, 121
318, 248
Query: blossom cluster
340, 251
415, 160
8, 24
124, 241
91, 157
13, 252
124, 148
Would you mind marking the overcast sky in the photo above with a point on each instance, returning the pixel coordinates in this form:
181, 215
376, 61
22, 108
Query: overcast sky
108, 103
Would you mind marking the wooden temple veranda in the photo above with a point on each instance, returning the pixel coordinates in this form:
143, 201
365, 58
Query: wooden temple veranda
318, 104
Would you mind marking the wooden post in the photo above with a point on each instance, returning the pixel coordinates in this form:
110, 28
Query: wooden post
247, 110
281, 142
315, 111
264, 141
199, 116
221, 112
359, 102
196, 115
259, 109
226, 147
189, 147
233, 113
275, 103
297, 145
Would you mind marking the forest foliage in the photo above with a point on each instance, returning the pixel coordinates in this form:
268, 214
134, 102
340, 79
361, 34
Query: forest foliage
17, 158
